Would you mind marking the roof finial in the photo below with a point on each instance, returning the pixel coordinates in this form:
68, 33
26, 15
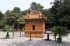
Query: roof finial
39, 12
31, 12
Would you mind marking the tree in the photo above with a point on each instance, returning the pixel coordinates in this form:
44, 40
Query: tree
7, 28
35, 7
1, 15
60, 11
60, 31
1, 18
21, 23
49, 15
7, 12
16, 10
14, 17
25, 12
16, 14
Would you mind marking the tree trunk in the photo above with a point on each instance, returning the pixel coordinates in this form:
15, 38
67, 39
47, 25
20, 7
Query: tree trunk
13, 34
20, 32
13, 29
55, 37
59, 35
7, 33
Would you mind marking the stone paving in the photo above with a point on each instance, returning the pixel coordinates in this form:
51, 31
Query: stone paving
23, 41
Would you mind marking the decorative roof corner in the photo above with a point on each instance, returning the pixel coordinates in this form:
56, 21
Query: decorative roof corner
35, 15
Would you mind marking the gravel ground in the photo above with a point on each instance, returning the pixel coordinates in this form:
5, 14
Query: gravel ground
23, 41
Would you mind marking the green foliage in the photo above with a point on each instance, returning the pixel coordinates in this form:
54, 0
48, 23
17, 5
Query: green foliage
59, 30
54, 30
12, 16
1, 25
23, 29
16, 10
7, 28
7, 12
1, 15
25, 12
61, 12
1, 18
50, 17
36, 6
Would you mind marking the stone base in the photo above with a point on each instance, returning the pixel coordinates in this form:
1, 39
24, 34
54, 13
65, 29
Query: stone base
35, 35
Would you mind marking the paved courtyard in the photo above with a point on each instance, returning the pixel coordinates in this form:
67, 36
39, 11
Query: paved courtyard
23, 41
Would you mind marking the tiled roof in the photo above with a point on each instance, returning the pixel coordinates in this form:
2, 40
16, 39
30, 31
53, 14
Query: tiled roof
35, 15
